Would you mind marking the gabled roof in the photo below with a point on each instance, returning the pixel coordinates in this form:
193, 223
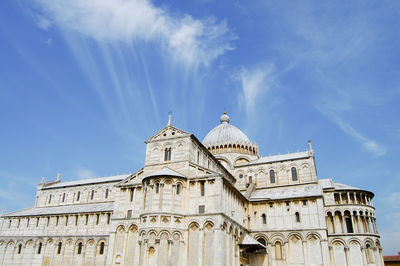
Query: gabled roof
166, 171
168, 130
88, 181
249, 241
125, 181
76, 208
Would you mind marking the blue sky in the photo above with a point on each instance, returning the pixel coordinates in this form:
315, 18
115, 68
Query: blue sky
84, 83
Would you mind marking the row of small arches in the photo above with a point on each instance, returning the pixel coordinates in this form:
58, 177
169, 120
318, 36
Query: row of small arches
233, 148
351, 212
272, 176
354, 241
40, 244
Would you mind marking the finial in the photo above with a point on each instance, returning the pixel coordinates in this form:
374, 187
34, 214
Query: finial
310, 145
42, 180
224, 118
169, 118
58, 176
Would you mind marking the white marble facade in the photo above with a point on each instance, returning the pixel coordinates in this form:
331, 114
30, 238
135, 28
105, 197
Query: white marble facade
215, 202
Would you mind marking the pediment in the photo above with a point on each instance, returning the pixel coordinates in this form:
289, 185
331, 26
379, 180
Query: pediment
168, 132
132, 179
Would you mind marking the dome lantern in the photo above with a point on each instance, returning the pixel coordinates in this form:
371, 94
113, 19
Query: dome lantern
228, 138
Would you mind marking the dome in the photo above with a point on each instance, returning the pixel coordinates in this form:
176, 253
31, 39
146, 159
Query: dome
225, 133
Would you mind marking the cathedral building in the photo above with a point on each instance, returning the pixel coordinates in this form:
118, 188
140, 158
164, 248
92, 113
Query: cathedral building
215, 202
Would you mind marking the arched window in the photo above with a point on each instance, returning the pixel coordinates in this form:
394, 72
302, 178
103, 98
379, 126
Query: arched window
294, 174
19, 248
101, 251
59, 248
178, 189
369, 254
297, 217
92, 195
263, 242
106, 196
272, 176
278, 251
50, 198
39, 250
78, 196
157, 187
167, 154
63, 197
79, 248
264, 218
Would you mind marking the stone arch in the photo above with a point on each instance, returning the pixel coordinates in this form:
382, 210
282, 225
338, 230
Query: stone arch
356, 257
223, 159
152, 234
28, 242
295, 234
177, 235
194, 226
132, 228
241, 159
98, 247
295, 250
368, 241
278, 245
338, 241
79, 244
142, 233
59, 246
278, 237
353, 240
163, 247
208, 224
313, 234
120, 228
261, 235
194, 249
314, 248
164, 233
338, 249
131, 240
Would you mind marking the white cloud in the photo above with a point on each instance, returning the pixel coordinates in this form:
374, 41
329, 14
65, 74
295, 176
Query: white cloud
254, 82
368, 144
82, 173
43, 22
190, 40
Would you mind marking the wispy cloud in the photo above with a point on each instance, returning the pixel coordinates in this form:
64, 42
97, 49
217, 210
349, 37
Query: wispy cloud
42, 22
368, 144
82, 173
190, 40
254, 82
